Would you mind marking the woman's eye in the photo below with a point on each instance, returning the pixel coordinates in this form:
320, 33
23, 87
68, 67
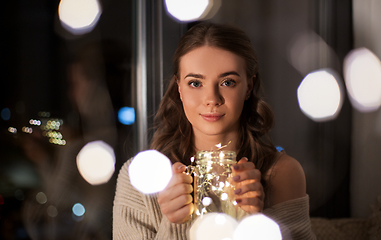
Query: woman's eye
194, 84
228, 83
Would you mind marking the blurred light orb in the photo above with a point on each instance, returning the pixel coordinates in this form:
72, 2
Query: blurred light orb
19, 195
150, 171
126, 115
96, 162
12, 130
362, 75
52, 211
257, 227
79, 16
78, 210
206, 201
213, 226
308, 52
279, 148
5, 114
41, 198
320, 95
187, 10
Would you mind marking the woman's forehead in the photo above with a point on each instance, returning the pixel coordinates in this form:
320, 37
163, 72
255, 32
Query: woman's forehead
211, 60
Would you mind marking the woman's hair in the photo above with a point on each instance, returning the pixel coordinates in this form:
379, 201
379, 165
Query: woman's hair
174, 135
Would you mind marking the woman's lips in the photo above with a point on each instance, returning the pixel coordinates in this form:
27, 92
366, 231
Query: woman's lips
212, 117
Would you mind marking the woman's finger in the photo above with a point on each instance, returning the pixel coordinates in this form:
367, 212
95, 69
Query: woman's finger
243, 165
182, 215
253, 174
250, 205
175, 205
254, 188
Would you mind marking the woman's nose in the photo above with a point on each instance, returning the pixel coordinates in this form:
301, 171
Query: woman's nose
213, 97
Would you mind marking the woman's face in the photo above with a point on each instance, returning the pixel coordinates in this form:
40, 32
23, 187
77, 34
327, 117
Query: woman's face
213, 87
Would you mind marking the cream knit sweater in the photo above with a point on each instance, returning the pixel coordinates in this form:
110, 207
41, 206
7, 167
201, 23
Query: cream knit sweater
138, 216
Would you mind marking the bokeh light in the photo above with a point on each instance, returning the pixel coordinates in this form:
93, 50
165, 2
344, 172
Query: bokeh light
149, 165
213, 226
41, 198
52, 211
19, 195
96, 162
320, 95
35, 122
126, 115
78, 210
12, 130
27, 130
362, 75
5, 114
189, 10
309, 52
79, 16
257, 227
279, 148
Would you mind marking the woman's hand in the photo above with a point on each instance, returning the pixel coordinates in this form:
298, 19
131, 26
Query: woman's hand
175, 200
248, 191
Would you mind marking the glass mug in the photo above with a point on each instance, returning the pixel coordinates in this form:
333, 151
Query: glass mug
213, 186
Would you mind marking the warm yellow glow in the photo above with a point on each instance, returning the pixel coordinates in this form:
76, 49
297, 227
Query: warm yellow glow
362, 75
150, 171
96, 162
79, 16
320, 95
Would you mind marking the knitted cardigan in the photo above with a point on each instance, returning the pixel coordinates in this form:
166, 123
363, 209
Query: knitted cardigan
138, 216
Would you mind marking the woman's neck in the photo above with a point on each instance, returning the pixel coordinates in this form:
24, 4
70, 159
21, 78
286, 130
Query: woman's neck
213, 142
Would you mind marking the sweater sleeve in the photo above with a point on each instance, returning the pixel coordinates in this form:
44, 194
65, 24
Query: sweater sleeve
293, 218
138, 216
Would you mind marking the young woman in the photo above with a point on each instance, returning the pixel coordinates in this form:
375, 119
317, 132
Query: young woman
214, 97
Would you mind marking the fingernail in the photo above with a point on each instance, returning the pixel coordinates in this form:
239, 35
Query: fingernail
236, 167
236, 178
237, 191
246, 158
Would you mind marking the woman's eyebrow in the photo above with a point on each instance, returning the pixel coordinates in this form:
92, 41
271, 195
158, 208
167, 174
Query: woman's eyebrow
194, 75
229, 73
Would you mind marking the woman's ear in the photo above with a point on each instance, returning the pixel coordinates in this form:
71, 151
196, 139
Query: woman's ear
250, 84
178, 88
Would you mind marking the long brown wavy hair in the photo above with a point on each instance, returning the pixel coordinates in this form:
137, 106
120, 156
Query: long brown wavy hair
174, 135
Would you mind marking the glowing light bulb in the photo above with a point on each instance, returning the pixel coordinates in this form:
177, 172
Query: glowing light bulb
79, 16
320, 95
258, 227
362, 75
150, 171
96, 162
213, 226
